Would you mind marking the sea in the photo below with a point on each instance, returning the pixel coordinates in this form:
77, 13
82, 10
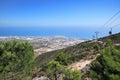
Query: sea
75, 32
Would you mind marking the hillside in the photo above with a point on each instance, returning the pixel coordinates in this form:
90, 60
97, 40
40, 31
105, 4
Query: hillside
115, 38
79, 50
83, 52
107, 64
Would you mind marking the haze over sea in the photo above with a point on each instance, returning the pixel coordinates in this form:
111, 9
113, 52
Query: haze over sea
77, 32
46, 31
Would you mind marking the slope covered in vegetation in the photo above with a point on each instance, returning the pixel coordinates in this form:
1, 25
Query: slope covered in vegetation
17, 61
107, 65
79, 51
83, 51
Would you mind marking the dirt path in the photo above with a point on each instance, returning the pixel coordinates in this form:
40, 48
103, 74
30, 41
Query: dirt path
81, 64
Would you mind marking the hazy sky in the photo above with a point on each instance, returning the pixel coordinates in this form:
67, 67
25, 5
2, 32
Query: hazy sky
57, 12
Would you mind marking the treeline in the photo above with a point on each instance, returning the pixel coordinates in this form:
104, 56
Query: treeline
16, 60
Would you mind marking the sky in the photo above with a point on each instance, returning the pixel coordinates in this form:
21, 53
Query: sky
59, 13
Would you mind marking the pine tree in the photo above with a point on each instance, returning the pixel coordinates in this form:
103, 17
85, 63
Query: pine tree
107, 65
16, 59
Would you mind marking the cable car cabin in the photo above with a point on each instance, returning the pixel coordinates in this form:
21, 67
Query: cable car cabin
110, 32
